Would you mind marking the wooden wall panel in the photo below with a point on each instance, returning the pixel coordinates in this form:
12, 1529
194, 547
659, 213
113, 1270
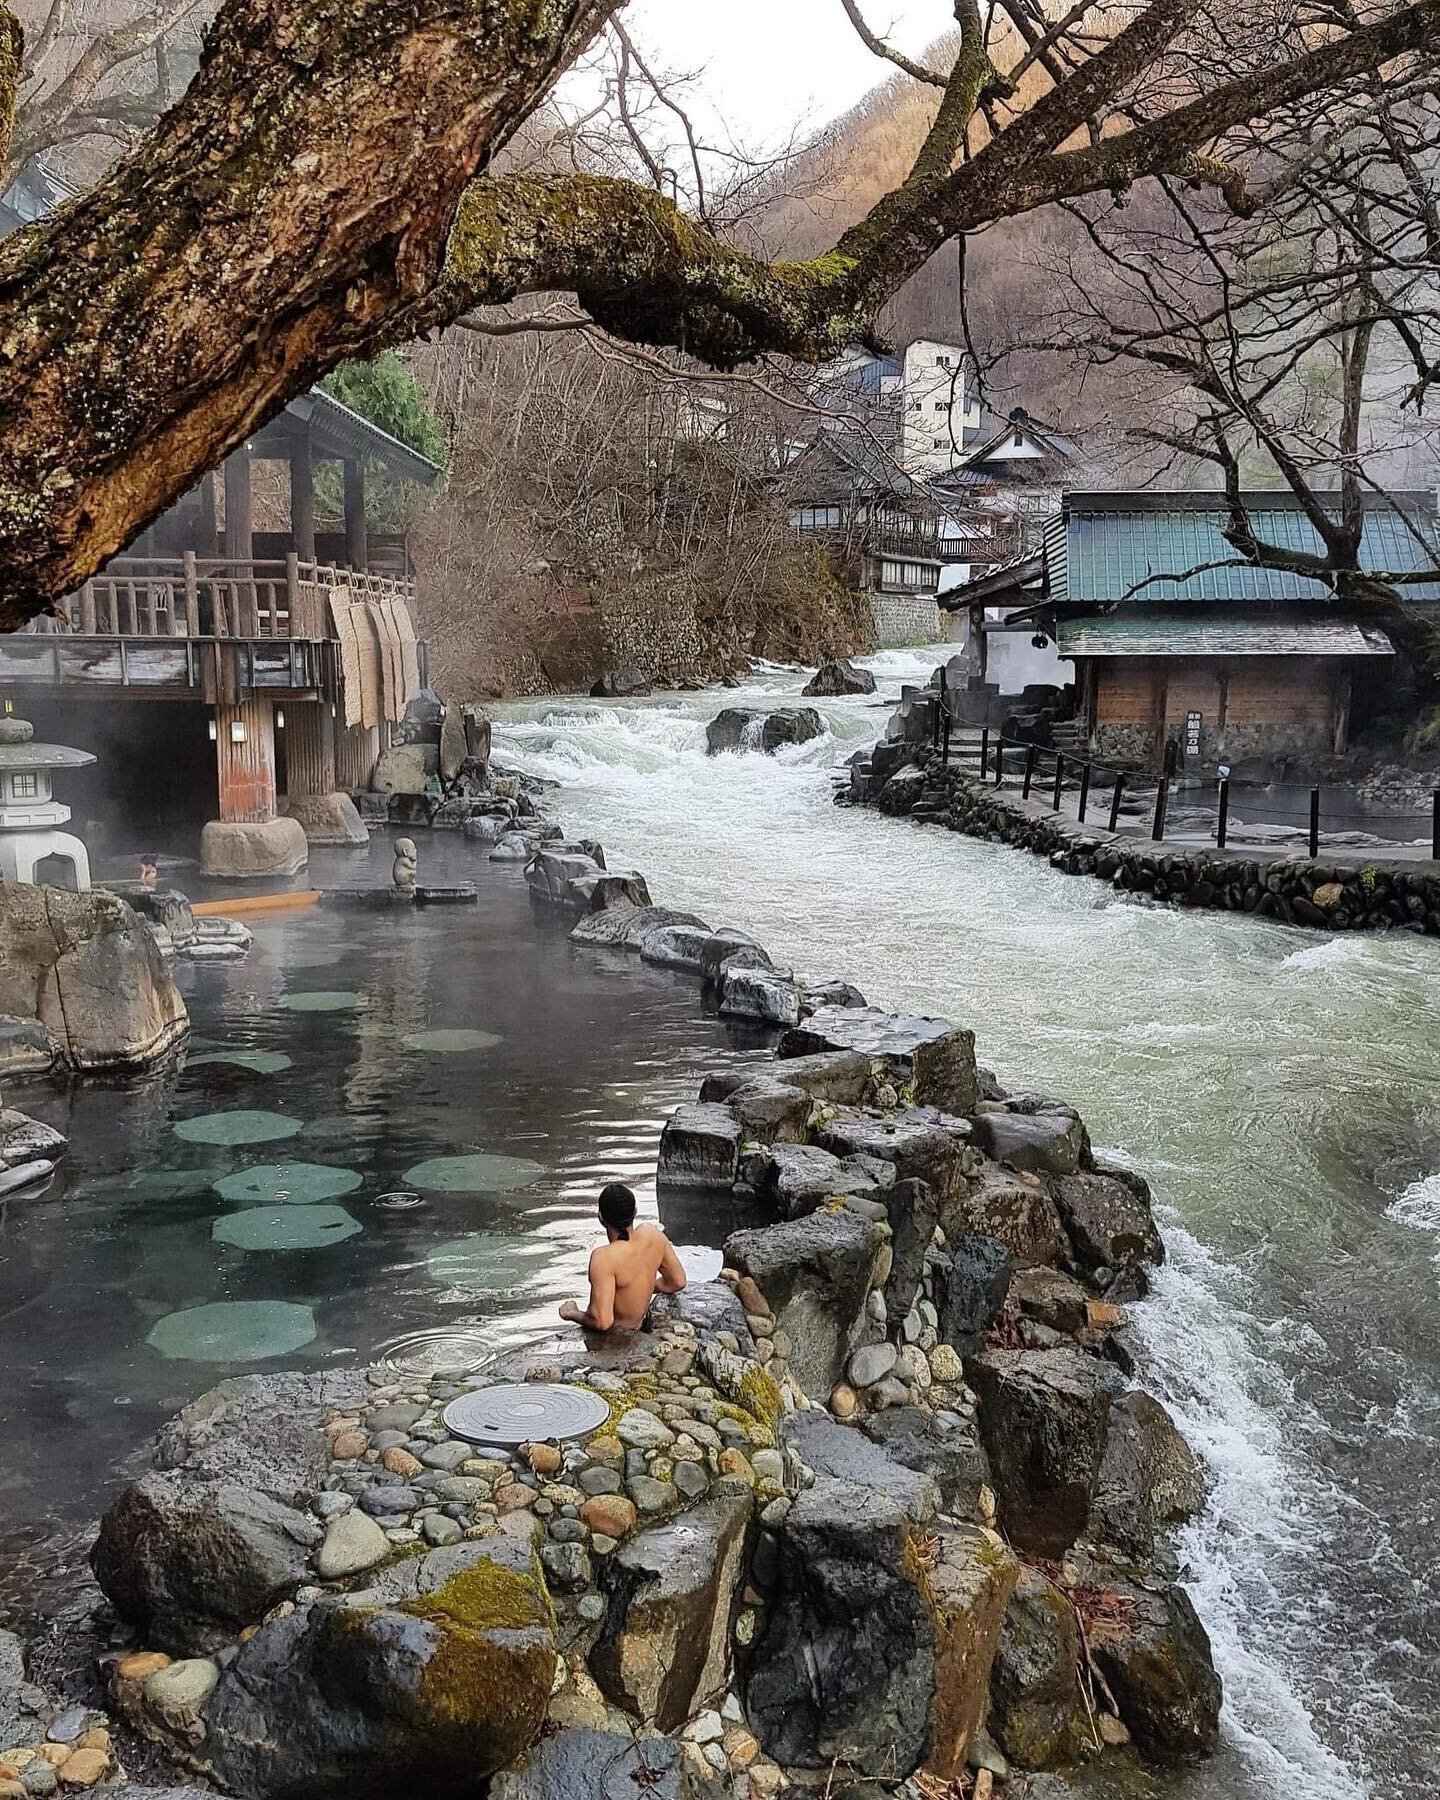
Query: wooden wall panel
246, 770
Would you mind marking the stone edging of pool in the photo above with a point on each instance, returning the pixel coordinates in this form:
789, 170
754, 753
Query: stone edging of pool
880, 1503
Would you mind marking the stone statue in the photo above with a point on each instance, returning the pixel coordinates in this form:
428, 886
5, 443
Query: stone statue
405, 860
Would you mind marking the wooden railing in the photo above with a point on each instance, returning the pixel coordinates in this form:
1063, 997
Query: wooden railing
221, 597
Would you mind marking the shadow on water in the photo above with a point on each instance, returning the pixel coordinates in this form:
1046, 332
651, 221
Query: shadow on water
371, 1198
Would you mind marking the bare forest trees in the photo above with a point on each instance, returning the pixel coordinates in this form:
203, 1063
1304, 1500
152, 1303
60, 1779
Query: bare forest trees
325, 188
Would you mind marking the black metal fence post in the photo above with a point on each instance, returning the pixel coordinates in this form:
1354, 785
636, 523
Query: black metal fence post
984, 751
1314, 822
999, 759
1222, 829
1115, 801
1435, 828
1084, 791
1029, 771
944, 729
1162, 802
1059, 780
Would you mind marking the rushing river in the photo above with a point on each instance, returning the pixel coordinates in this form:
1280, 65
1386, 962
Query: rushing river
1282, 1092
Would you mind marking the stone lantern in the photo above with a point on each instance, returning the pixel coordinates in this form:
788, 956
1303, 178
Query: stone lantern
28, 814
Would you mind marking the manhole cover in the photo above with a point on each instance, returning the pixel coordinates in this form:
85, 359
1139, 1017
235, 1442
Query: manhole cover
525, 1412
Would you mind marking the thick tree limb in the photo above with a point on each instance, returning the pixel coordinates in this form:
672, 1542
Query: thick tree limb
12, 50
320, 192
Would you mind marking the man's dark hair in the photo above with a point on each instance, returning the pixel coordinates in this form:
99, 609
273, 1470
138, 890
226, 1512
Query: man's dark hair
617, 1207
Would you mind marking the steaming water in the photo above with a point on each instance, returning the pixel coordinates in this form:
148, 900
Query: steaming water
1281, 1092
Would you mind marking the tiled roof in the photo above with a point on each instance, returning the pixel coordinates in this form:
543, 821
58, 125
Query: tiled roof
1154, 548
1156, 631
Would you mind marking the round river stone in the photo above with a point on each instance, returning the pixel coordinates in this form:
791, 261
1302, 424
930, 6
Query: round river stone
241, 1127
286, 1227
234, 1331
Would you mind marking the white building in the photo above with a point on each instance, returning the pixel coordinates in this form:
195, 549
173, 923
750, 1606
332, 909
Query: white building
939, 415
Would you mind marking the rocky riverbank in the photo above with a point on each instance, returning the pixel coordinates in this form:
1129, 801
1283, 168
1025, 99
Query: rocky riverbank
906, 777
878, 1511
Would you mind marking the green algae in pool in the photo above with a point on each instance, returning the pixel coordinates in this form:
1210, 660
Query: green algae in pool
240, 1127
450, 1041
326, 1000
299, 1183
286, 1227
234, 1331
475, 1173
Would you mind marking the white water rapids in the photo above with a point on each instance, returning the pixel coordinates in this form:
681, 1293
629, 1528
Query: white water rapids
1281, 1091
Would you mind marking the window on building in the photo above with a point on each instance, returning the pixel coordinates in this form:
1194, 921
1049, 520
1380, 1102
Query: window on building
24, 787
942, 406
818, 518
912, 577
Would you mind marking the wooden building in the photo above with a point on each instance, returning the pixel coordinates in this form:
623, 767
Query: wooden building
1175, 638
246, 674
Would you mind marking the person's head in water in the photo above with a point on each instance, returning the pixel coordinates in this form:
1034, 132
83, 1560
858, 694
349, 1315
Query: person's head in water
617, 1209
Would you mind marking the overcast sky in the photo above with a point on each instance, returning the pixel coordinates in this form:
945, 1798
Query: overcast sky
771, 63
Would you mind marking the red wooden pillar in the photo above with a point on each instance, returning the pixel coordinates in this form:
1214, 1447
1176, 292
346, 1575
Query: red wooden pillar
245, 759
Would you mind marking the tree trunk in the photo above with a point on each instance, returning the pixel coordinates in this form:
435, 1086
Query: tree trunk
301, 193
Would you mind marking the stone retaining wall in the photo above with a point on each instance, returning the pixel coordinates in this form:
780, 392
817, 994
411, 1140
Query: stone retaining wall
902, 619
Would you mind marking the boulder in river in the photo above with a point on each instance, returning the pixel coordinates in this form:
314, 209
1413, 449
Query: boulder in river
1013, 1208
621, 684
768, 996
1155, 1656
1107, 1216
699, 1147
752, 728
87, 969
971, 1283
1045, 1418
1037, 1709
920, 1145
1049, 1139
931, 1057
1149, 1477
838, 677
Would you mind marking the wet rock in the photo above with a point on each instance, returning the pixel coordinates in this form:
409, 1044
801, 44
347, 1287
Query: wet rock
612, 888
1108, 1219
743, 728
815, 1272
913, 1215
175, 1698
719, 947
969, 1583
27, 1048
953, 1459
839, 677
1051, 1297
1049, 1141
588, 1764
674, 947
842, 1076
86, 969
1016, 1209
699, 1148
664, 1648
353, 1543
1149, 1476
1155, 1656
770, 1111
1044, 1419
621, 684
797, 1178
917, 1146
431, 1692
761, 994
971, 1282
405, 768
327, 818
842, 1453
190, 1566
931, 1057
1037, 1710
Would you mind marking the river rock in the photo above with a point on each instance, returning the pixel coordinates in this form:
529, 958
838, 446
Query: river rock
353, 1543
87, 970
913, 1216
815, 1272
625, 683
1037, 1709
664, 1648
840, 1452
588, 1764
1050, 1140
1015, 1209
675, 947
971, 1282
431, 1692
175, 1698
1108, 1220
797, 1178
1044, 1418
871, 1363
725, 943
931, 1057
1155, 1657
453, 747
1149, 1477
189, 1566
770, 1111
699, 1148
405, 768
421, 721
612, 888
741, 728
914, 1142
627, 926
839, 677
1050, 1297
860, 1661
27, 1048
765, 995
953, 1459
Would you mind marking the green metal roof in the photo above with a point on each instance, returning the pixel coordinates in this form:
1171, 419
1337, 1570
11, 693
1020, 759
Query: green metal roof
1112, 543
1162, 632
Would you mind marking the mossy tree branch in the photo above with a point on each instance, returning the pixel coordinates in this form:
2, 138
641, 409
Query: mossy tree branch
320, 193
12, 51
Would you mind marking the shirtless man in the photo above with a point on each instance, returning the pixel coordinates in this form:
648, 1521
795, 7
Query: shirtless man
636, 1263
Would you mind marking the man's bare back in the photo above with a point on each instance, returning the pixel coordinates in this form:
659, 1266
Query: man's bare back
626, 1273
